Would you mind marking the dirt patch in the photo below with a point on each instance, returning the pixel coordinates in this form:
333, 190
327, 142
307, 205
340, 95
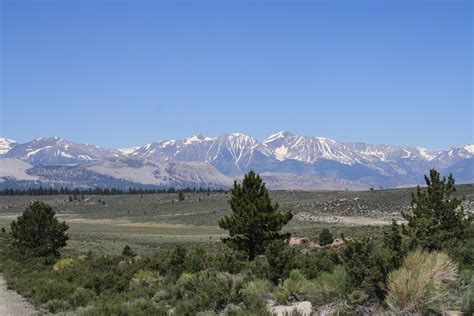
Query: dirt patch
343, 220
12, 304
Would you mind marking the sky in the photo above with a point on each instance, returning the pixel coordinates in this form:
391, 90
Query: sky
124, 73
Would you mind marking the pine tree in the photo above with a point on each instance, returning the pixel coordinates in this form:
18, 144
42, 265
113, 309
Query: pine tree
128, 252
437, 218
255, 221
392, 250
325, 237
38, 232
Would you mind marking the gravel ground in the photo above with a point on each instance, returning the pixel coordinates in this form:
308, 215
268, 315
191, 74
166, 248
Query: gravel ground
12, 304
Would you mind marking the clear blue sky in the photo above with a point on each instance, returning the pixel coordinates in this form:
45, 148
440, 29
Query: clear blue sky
122, 73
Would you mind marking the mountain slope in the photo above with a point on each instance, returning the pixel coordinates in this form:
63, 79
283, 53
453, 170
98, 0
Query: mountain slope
113, 173
58, 151
286, 159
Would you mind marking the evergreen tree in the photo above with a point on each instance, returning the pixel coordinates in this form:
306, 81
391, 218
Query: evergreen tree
325, 237
437, 218
255, 221
280, 256
38, 232
392, 242
128, 252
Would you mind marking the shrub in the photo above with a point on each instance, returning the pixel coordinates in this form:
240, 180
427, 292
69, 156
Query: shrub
357, 297
296, 283
203, 291
253, 295
259, 268
281, 296
330, 286
231, 261
467, 305
325, 237
422, 284
37, 232
279, 255
55, 306
367, 266
176, 260
312, 263
197, 259
463, 253
63, 263
53, 289
82, 297
145, 277
128, 252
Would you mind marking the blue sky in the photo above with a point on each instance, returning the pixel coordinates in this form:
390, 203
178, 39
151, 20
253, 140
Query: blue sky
122, 73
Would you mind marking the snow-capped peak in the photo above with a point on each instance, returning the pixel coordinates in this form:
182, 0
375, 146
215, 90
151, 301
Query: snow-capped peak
425, 153
197, 139
6, 144
280, 134
128, 151
469, 148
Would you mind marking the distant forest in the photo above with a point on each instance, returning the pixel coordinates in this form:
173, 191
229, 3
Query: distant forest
101, 191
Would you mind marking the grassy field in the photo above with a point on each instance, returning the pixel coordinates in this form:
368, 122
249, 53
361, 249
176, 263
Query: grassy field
150, 222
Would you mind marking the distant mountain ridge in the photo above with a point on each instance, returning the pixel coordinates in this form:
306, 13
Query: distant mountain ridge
287, 160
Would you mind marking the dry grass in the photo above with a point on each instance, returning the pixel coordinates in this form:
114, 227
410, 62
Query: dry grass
422, 283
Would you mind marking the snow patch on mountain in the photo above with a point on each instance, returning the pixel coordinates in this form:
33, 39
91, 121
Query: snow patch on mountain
6, 145
128, 151
469, 148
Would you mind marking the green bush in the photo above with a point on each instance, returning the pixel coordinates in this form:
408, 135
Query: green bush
203, 291
367, 267
63, 263
312, 263
52, 289
296, 283
230, 261
82, 297
325, 237
330, 286
357, 297
281, 295
253, 295
146, 278
128, 252
279, 256
55, 306
467, 305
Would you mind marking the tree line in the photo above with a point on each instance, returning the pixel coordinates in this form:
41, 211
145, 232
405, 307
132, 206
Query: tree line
102, 191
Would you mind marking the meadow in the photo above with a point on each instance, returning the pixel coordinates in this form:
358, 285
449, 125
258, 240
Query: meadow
149, 222
180, 266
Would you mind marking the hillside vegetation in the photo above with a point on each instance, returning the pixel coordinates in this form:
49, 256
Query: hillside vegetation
161, 254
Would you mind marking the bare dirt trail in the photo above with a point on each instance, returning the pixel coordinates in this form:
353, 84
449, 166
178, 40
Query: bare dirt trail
12, 304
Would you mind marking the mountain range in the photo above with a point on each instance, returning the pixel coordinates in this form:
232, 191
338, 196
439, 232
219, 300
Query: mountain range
285, 161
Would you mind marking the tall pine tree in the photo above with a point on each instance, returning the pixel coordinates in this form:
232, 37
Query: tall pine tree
255, 221
437, 218
37, 232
